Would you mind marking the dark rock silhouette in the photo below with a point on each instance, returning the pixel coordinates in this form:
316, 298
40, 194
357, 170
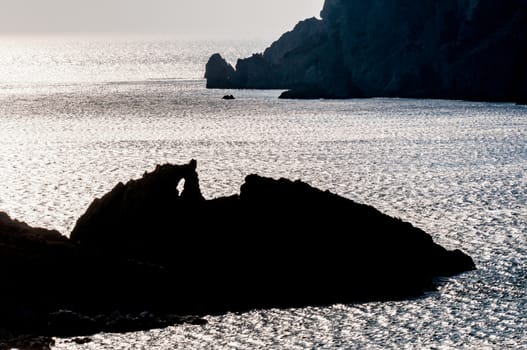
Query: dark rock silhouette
144, 253
228, 97
53, 287
522, 96
81, 341
278, 244
27, 343
219, 72
453, 49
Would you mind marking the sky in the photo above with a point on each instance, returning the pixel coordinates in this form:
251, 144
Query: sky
237, 19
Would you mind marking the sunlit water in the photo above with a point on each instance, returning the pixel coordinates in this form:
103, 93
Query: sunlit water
78, 116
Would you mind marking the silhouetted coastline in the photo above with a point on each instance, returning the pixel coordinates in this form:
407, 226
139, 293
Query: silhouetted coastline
455, 49
144, 256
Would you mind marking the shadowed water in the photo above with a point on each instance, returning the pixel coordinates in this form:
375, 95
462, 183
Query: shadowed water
456, 169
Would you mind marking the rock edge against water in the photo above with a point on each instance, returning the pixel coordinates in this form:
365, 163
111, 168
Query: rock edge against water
449, 49
145, 252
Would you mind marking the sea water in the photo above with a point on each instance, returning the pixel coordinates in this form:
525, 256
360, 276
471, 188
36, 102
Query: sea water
78, 115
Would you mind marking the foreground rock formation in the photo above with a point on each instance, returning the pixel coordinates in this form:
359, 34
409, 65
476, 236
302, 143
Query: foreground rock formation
53, 287
277, 243
452, 49
145, 251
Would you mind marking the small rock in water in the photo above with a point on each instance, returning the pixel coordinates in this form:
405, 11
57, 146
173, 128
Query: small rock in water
81, 341
228, 97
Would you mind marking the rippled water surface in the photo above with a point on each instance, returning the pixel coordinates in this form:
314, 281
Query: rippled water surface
456, 169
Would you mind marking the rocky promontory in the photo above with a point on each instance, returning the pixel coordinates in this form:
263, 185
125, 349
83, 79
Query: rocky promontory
452, 49
51, 286
146, 254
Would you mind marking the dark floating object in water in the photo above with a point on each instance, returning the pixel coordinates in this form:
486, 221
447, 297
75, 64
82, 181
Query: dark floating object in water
228, 97
81, 341
145, 246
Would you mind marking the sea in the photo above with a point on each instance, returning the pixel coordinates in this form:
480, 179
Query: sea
80, 114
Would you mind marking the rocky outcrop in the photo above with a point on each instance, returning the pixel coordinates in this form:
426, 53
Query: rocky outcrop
277, 244
53, 287
219, 72
453, 49
143, 219
27, 343
147, 253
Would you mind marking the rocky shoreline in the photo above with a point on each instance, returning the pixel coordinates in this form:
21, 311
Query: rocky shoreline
145, 256
453, 49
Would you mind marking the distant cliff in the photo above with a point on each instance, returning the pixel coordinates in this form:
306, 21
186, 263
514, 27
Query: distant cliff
452, 49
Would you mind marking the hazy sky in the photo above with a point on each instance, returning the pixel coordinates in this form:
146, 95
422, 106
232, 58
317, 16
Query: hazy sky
202, 18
